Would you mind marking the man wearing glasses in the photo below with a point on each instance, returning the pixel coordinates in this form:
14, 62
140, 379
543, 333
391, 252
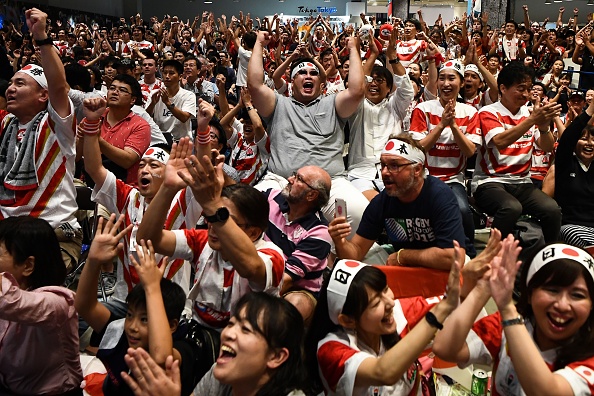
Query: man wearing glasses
296, 225
418, 212
125, 136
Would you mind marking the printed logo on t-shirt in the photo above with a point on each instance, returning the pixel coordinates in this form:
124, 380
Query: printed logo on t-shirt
409, 230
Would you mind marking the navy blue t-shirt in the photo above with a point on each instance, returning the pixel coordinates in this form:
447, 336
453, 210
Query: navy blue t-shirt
432, 220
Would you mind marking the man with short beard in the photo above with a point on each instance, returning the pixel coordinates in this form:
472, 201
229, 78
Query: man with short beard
418, 212
297, 226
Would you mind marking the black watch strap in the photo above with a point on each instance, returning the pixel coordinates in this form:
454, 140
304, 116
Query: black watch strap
221, 215
47, 41
432, 320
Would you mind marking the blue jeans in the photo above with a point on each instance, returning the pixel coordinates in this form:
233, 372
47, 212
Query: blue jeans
467, 218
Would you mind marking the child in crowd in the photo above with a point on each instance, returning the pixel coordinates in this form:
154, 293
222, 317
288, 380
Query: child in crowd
154, 308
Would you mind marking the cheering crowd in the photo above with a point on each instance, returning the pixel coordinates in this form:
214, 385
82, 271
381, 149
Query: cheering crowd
253, 179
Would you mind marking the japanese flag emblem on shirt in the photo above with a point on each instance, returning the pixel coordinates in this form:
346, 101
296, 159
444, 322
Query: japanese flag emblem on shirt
585, 372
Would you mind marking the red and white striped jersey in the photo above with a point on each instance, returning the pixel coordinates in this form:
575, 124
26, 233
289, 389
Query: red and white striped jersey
445, 159
541, 162
54, 198
121, 198
148, 89
511, 164
141, 45
410, 51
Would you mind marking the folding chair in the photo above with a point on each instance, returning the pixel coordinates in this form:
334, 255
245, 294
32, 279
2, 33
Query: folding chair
88, 225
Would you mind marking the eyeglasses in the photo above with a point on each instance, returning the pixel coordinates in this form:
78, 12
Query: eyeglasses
394, 168
299, 178
114, 88
377, 80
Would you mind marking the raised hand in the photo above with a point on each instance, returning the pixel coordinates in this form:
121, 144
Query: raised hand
148, 378
106, 244
36, 22
205, 180
93, 108
146, 266
504, 268
176, 164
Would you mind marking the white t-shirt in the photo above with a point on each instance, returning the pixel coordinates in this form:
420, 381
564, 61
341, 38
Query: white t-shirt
244, 58
168, 123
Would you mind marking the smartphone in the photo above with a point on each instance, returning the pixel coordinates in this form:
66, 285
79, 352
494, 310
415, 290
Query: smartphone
340, 208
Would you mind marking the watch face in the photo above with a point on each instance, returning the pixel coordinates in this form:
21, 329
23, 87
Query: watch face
222, 213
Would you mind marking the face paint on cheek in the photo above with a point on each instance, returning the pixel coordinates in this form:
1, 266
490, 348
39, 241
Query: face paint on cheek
156, 175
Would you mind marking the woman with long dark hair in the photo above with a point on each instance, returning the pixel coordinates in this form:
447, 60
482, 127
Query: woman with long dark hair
544, 345
261, 354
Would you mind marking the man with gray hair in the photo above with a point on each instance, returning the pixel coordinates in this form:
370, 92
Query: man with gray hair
419, 213
37, 146
298, 227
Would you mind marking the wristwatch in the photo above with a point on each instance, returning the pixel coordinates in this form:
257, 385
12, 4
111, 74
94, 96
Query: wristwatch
248, 108
394, 61
46, 41
221, 215
170, 106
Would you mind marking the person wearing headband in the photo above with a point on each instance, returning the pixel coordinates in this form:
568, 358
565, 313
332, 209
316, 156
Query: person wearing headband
307, 129
38, 145
419, 213
449, 132
501, 182
367, 343
480, 86
544, 344
121, 198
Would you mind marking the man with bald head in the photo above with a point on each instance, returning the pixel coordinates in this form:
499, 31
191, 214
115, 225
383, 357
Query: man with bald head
419, 213
37, 145
299, 228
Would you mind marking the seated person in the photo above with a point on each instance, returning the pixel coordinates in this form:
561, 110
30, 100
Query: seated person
153, 310
297, 226
365, 341
572, 181
38, 322
418, 212
449, 132
548, 332
230, 258
501, 181
121, 198
262, 354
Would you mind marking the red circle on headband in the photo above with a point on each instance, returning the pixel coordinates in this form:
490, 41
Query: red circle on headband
570, 252
389, 146
150, 151
352, 264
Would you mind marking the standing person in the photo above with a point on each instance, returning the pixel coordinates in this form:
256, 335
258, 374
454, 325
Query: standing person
37, 146
449, 131
36, 313
149, 81
319, 119
172, 107
501, 182
548, 333
410, 50
509, 47
368, 343
381, 115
